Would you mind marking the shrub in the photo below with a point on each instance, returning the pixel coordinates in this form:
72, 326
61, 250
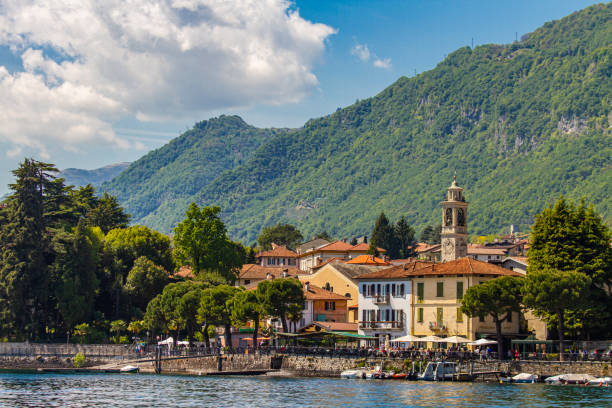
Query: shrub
79, 360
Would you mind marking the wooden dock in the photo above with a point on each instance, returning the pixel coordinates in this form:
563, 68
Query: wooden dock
78, 370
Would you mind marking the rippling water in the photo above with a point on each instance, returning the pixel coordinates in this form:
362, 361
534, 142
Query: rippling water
140, 390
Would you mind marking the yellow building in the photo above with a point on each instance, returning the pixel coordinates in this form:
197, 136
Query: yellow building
437, 293
339, 277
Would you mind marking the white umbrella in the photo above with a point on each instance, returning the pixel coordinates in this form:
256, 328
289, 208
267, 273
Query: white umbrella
407, 339
433, 339
168, 341
483, 342
456, 340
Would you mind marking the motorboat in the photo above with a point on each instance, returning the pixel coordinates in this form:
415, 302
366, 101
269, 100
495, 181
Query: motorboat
522, 378
601, 382
570, 379
438, 371
399, 376
129, 369
352, 374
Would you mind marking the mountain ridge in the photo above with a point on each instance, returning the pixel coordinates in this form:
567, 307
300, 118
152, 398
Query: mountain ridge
521, 123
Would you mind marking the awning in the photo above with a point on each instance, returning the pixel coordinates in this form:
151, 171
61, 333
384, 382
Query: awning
352, 335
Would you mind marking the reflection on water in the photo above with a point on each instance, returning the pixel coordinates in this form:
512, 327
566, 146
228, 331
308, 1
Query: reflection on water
87, 390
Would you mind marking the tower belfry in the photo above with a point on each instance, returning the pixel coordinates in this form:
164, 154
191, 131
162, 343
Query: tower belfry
454, 224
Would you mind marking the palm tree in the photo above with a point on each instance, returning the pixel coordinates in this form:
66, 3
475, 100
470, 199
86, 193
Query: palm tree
117, 326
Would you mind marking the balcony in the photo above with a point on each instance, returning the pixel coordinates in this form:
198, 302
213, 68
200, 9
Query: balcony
438, 327
381, 325
381, 299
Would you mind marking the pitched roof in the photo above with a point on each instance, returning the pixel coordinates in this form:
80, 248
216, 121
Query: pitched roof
352, 271
317, 293
256, 271
364, 247
278, 251
398, 271
465, 266
312, 244
423, 247
368, 260
330, 260
336, 246
337, 326
478, 250
520, 259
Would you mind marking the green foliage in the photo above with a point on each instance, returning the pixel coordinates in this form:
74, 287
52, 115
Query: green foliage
280, 234
79, 360
404, 235
383, 236
552, 292
431, 235
129, 244
522, 124
498, 298
144, 281
81, 330
201, 242
117, 326
570, 238
278, 297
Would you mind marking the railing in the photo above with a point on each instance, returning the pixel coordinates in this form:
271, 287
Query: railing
381, 299
381, 324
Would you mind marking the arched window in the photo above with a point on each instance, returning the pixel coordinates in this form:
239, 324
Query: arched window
348, 295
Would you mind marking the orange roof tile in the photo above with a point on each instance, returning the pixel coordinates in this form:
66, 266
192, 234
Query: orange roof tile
330, 260
185, 272
278, 251
336, 246
395, 272
256, 271
368, 260
317, 293
364, 247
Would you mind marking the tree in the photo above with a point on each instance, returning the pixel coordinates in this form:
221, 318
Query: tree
136, 326
215, 306
145, 280
201, 241
279, 296
498, 298
570, 238
552, 292
107, 214
280, 234
117, 326
74, 268
324, 235
81, 330
154, 318
431, 234
245, 306
383, 236
404, 235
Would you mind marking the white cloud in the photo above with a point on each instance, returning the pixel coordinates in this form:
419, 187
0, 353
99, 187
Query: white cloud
362, 51
382, 63
88, 63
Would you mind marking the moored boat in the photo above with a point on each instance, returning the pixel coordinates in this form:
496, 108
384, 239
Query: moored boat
438, 371
601, 382
522, 378
570, 379
352, 374
129, 369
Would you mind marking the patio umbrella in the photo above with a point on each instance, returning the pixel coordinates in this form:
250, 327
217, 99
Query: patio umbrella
433, 339
483, 342
407, 339
456, 340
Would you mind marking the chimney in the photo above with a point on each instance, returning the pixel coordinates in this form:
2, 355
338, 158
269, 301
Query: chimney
307, 286
285, 273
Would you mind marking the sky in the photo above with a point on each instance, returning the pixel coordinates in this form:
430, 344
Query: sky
85, 83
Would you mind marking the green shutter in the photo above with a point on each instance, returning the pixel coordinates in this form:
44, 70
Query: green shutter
420, 315
440, 289
439, 316
459, 290
420, 292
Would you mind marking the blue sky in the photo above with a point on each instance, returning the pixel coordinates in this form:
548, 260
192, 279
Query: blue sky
85, 95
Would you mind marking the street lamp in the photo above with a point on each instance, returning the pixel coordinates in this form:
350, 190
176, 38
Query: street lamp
67, 336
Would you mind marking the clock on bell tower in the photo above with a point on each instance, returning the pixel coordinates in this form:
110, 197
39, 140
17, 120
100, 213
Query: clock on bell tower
454, 224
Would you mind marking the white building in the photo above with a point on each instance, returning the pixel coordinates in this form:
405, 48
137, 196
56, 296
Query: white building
385, 298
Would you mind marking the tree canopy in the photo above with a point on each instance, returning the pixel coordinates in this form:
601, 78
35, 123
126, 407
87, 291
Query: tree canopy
279, 234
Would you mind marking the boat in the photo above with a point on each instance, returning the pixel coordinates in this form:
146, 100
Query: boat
522, 378
601, 382
129, 369
438, 371
570, 379
399, 376
352, 374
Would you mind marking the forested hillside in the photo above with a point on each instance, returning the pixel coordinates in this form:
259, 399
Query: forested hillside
520, 123
163, 182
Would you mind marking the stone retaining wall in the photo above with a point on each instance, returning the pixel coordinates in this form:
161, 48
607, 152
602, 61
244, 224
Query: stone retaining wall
550, 368
60, 349
35, 362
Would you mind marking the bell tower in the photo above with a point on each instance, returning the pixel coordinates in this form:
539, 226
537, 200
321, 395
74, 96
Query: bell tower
454, 224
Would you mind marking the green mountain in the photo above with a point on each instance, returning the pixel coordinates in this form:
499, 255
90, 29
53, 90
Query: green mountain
161, 184
520, 123
81, 177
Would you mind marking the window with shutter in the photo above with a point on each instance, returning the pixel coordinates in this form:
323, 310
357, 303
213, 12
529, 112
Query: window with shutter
420, 292
440, 289
459, 290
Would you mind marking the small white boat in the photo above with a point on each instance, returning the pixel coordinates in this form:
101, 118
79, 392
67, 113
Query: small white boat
601, 382
129, 369
570, 379
438, 371
522, 378
352, 374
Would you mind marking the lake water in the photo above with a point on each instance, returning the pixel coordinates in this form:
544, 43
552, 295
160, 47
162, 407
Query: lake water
140, 390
